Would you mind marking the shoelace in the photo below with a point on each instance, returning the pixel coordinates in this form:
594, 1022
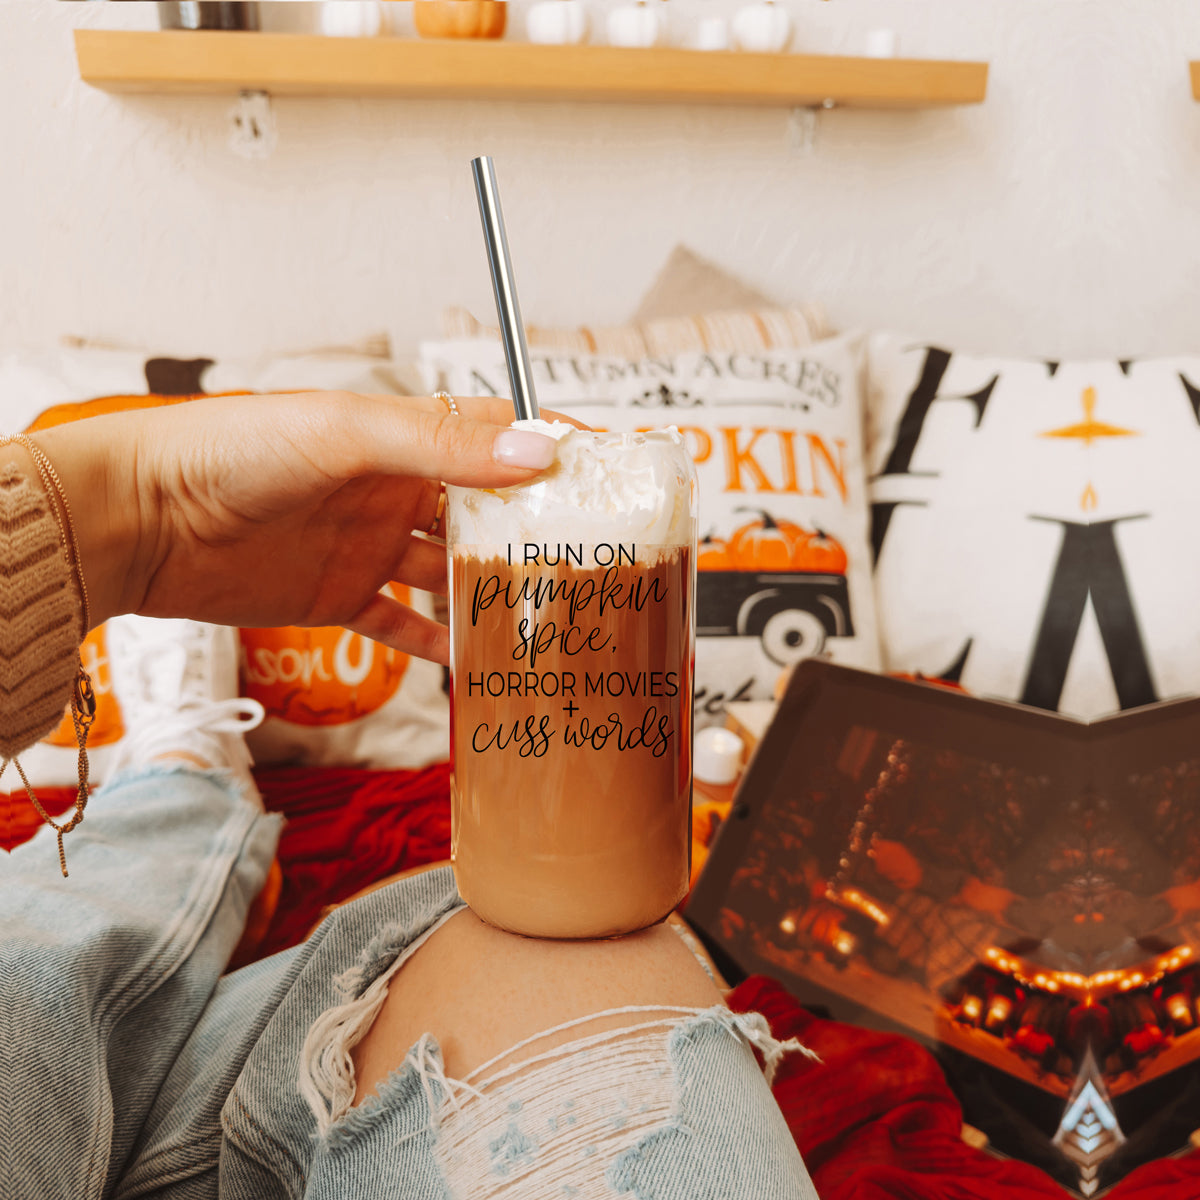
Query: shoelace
204, 722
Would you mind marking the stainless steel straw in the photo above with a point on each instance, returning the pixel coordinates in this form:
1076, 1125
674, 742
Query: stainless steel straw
516, 352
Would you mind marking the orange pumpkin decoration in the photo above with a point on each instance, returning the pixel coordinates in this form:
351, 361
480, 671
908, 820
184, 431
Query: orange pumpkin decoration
823, 554
767, 545
460, 18
712, 554
109, 725
320, 676
62, 414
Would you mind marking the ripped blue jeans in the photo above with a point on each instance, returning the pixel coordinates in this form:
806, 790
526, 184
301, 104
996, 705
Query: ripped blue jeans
134, 1069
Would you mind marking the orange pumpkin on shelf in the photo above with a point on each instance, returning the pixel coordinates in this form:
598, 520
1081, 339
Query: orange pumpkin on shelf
460, 18
712, 554
766, 544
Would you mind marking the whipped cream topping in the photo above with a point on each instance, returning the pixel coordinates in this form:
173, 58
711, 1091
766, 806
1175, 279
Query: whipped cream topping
634, 488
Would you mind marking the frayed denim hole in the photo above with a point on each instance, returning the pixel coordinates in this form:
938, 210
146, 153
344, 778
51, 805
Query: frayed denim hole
326, 1073
386, 946
625, 1176
401, 1087
512, 1151
752, 1028
546, 1126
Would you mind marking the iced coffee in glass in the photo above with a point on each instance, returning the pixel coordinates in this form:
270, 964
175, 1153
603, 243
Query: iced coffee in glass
572, 640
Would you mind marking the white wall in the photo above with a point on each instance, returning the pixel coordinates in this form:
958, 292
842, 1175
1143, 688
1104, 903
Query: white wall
1059, 218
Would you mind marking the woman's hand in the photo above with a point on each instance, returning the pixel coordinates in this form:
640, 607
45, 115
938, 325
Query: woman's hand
280, 510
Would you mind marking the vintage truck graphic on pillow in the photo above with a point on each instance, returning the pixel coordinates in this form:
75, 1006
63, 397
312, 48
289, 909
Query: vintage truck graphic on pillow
776, 581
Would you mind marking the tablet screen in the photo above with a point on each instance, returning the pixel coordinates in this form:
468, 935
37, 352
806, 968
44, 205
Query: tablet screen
1019, 890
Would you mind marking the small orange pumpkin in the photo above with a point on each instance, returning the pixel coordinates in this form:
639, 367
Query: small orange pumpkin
712, 554
460, 18
767, 544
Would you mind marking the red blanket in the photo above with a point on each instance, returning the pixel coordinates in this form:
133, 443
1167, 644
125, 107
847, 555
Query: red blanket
875, 1117
874, 1120
19, 820
347, 828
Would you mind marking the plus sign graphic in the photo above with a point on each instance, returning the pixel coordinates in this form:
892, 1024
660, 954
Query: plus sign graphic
571, 709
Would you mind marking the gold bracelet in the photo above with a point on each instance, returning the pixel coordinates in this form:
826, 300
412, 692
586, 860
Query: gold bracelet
83, 697
54, 488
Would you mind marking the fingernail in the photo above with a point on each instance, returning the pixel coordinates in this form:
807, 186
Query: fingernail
523, 448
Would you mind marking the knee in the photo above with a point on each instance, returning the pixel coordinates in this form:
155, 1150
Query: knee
480, 991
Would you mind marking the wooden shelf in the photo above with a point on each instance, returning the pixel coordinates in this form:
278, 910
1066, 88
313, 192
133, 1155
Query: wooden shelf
1194, 68
304, 65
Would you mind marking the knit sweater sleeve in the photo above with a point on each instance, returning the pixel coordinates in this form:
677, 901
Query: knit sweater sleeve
41, 617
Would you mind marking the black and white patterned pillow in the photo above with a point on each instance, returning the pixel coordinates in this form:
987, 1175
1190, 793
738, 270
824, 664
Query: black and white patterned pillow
1032, 524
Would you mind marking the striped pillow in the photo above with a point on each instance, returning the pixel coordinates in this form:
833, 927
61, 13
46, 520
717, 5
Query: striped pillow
742, 331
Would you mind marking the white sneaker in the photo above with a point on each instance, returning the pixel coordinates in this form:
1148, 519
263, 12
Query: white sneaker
176, 683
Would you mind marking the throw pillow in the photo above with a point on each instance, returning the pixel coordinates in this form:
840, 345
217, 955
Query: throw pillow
1030, 524
406, 728
336, 698
692, 304
784, 565
748, 330
688, 284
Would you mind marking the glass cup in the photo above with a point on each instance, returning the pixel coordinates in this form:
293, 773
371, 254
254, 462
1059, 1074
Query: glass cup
572, 639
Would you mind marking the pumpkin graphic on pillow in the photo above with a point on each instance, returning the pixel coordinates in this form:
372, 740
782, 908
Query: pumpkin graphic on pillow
320, 676
168, 381
779, 545
774, 580
62, 414
712, 554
